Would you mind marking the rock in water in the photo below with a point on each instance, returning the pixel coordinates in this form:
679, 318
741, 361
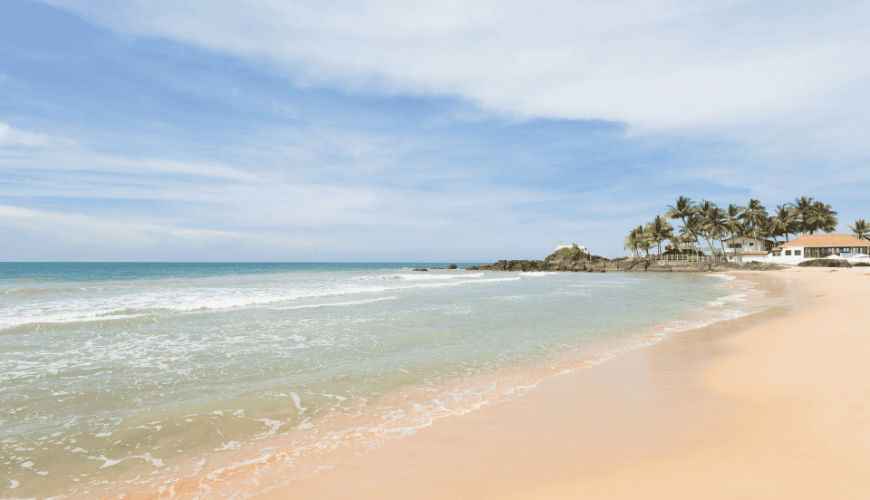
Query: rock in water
421, 269
451, 266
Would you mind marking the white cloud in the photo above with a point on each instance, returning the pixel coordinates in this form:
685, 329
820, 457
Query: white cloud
78, 228
14, 137
117, 231
656, 65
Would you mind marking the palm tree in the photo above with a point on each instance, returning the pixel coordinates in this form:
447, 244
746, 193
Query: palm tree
632, 240
683, 209
767, 228
784, 222
705, 211
801, 209
753, 215
716, 225
734, 225
688, 232
861, 230
660, 230
644, 240
821, 218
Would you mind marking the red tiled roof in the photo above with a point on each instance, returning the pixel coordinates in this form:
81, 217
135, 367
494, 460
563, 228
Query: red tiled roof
747, 252
826, 240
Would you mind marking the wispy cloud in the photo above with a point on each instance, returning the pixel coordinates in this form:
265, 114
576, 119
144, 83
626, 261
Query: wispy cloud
669, 65
14, 137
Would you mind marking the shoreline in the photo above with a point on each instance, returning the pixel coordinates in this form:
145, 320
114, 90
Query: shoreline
360, 425
637, 426
724, 411
371, 460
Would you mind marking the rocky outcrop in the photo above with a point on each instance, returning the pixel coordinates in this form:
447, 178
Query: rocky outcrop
555, 262
571, 265
421, 269
825, 263
451, 266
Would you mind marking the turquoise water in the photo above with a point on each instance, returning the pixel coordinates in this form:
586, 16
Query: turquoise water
117, 377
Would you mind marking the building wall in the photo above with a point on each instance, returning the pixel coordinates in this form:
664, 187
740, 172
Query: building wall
746, 243
787, 259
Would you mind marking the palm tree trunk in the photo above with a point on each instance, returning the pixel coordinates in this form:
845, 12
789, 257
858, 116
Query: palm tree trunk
710, 245
734, 253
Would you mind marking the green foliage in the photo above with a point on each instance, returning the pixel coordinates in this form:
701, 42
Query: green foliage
573, 253
708, 221
813, 216
861, 229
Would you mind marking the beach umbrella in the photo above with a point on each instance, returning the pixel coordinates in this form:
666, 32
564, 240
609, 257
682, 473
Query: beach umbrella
835, 257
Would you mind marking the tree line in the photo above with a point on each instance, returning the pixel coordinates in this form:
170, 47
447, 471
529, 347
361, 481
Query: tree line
710, 222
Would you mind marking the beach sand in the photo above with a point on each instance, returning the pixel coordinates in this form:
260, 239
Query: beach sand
772, 405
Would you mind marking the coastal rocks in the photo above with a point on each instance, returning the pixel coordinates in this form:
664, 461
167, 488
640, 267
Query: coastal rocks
556, 262
437, 268
707, 267
451, 266
826, 263
420, 269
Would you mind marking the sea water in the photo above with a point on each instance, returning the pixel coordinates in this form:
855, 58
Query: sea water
122, 377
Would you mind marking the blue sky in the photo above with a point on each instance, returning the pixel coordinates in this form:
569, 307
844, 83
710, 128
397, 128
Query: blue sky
413, 131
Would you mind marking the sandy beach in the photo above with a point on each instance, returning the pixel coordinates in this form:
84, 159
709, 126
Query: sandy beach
771, 405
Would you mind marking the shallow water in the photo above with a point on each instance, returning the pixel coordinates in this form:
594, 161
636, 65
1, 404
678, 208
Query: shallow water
117, 376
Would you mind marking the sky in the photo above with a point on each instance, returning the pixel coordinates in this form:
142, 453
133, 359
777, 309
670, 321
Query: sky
410, 131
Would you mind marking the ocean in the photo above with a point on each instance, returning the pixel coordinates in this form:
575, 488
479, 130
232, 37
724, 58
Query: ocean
122, 377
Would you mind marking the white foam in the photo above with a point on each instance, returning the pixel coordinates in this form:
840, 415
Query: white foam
273, 425
298, 403
156, 462
140, 305
333, 304
726, 277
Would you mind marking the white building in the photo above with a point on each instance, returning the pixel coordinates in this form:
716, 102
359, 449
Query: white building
737, 244
813, 246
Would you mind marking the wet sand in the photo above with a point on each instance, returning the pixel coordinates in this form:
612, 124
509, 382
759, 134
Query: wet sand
772, 405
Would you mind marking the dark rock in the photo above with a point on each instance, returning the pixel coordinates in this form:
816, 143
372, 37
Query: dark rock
436, 268
571, 262
421, 269
825, 263
486, 267
451, 266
